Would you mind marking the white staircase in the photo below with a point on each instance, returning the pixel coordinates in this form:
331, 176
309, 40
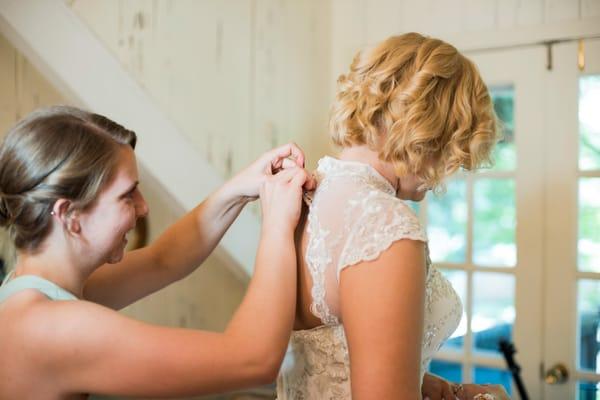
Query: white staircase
64, 50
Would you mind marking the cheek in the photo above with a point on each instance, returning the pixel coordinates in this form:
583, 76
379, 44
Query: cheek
128, 216
117, 219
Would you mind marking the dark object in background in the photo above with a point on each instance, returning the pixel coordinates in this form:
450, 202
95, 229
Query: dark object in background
2, 270
508, 350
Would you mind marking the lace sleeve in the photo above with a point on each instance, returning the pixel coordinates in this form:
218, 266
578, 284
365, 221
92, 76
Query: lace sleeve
382, 220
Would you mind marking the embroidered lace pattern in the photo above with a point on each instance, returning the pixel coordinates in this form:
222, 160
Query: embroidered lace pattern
354, 217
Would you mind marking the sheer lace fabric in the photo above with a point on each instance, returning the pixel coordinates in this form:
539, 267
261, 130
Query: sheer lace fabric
354, 216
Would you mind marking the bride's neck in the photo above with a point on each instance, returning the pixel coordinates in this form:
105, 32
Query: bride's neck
365, 155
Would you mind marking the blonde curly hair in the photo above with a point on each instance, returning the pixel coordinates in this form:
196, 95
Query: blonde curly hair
421, 104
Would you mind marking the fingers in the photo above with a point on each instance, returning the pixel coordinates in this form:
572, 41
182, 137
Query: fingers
296, 176
448, 392
285, 158
285, 175
310, 183
288, 163
301, 177
287, 151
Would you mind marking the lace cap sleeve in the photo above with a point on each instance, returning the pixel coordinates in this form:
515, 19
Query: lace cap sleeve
382, 220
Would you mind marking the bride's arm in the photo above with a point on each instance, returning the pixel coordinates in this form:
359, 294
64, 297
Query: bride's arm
382, 305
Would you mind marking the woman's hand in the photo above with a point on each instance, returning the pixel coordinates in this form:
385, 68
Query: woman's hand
436, 388
281, 198
248, 182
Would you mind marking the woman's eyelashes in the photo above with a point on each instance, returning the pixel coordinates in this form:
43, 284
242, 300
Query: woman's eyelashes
129, 195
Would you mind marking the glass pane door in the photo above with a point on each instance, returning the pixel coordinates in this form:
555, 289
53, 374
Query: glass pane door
485, 234
573, 237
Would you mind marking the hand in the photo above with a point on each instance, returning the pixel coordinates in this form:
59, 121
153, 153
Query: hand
470, 391
436, 388
248, 182
281, 199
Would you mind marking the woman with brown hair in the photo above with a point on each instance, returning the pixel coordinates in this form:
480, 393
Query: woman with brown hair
372, 310
69, 196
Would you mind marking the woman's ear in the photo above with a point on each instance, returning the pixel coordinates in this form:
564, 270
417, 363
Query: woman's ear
69, 218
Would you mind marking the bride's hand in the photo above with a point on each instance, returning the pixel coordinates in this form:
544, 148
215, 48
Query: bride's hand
436, 388
477, 392
248, 182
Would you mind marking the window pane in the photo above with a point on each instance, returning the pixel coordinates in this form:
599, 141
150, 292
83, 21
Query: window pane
496, 376
448, 370
494, 224
458, 279
447, 224
588, 245
588, 310
504, 104
588, 390
493, 309
589, 122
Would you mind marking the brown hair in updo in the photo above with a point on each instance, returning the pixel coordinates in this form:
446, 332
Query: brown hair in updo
426, 99
56, 152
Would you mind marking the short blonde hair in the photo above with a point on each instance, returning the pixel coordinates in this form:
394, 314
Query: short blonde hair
426, 98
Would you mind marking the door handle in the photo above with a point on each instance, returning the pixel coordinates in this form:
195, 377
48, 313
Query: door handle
557, 374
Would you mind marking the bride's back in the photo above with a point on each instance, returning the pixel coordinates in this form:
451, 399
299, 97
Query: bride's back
349, 219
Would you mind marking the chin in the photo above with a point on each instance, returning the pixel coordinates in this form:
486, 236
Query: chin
419, 196
116, 257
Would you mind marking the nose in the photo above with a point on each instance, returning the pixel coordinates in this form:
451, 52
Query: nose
141, 207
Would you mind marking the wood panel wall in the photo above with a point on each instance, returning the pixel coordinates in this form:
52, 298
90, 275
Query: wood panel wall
238, 77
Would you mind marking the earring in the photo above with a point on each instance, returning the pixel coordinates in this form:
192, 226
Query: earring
52, 213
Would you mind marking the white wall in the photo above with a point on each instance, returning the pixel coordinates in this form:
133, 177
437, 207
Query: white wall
467, 24
238, 77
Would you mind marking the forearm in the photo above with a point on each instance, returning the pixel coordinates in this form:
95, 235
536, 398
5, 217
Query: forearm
262, 324
188, 242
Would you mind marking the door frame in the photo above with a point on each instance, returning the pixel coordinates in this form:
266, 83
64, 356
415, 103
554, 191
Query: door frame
561, 204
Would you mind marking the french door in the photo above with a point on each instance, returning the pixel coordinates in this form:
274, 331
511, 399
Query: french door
521, 241
572, 204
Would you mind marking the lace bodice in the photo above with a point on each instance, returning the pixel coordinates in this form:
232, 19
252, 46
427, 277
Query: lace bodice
354, 216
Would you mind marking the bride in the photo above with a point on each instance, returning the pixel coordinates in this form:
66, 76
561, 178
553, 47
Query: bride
372, 311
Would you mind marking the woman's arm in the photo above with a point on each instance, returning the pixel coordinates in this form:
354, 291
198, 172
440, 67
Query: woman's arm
382, 305
188, 242
83, 347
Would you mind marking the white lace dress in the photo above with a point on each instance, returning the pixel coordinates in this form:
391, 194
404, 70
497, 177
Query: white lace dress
354, 216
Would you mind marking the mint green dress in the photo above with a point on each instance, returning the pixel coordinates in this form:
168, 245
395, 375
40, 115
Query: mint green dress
25, 282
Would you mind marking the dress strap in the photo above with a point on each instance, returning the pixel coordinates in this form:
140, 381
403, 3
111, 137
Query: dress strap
51, 290
6, 278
